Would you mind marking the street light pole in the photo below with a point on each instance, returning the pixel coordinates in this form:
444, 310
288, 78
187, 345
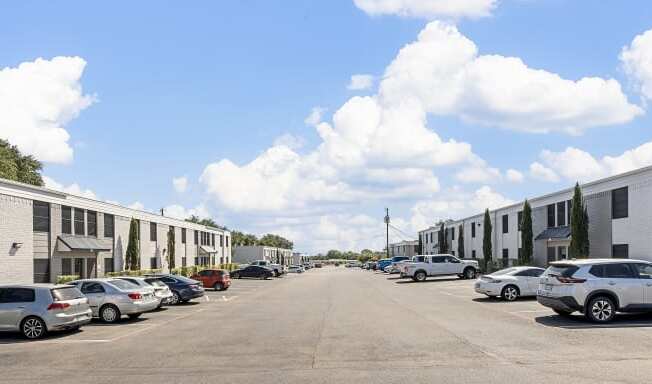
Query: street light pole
387, 231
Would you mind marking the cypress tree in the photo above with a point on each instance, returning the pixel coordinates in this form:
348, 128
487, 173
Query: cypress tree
579, 246
460, 242
527, 243
131, 257
443, 245
171, 246
486, 240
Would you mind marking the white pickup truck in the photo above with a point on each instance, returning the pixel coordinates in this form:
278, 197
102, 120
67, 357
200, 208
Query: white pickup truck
441, 265
278, 269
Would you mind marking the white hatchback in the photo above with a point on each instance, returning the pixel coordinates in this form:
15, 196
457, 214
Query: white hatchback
510, 283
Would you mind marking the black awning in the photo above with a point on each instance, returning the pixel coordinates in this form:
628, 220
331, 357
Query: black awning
556, 233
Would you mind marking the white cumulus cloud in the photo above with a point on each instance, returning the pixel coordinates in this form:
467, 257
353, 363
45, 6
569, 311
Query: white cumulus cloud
314, 118
37, 100
291, 141
180, 184
514, 176
428, 9
445, 73
180, 212
73, 189
637, 62
360, 82
540, 172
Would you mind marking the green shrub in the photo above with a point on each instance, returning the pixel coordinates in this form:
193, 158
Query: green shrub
63, 279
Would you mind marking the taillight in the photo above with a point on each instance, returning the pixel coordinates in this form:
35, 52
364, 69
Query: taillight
54, 306
135, 296
569, 280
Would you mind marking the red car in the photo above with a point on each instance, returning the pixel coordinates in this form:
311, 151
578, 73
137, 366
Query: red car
217, 279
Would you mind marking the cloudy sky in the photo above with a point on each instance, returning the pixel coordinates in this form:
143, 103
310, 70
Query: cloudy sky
307, 118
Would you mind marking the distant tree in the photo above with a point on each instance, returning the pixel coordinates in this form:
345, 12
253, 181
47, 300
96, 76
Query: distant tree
171, 247
527, 243
460, 242
272, 240
334, 254
132, 254
579, 245
486, 238
239, 238
18, 167
207, 221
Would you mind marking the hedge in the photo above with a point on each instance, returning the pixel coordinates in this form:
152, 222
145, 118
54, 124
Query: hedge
182, 271
63, 279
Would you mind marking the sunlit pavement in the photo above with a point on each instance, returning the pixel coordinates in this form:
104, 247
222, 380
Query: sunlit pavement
337, 325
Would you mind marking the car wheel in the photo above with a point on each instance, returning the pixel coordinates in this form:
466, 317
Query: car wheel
33, 328
109, 313
175, 299
262, 276
562, 313
134, 316
510, 293
276, 274
235, 275
601, 309
420, 276
469, 273
218, 287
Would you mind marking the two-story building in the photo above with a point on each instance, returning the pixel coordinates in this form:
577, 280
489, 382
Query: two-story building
46, 233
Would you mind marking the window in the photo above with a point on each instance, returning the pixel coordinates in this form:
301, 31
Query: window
473, 254
561, 214
183, 235
619, 203
66, 266
91, 223
196, 237
568, 211
41, 270
520, 253
16, 295
520, 220
227, 241
453, 233
505, 253
551, 254
644, 270
92, 288
505, 224
79, 222
431, 237
184, 262
152, 263
620, 251
108, 265
41, 215
450, 259
66, 220
438, 259
617, 271
472, 229
152, 231
551, 215
212, 239
109, 225
221, 240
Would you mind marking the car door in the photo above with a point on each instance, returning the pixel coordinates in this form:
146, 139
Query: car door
13, 302
528, 281
95, 293
437, 265
644, 272
620, 278
249, 271
453, 265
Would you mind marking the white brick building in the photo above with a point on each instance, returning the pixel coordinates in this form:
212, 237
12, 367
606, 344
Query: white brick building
46, 233
244, 254
404, 248
620, 223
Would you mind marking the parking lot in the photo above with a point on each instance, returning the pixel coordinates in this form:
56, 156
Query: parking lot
341, 325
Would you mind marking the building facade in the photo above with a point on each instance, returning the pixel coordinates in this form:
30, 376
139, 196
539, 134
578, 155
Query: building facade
46, 233
404, 248
620, 223
247, 253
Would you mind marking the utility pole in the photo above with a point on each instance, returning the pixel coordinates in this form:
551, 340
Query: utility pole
387, 230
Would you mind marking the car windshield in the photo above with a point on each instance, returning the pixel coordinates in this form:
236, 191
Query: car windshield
66, 293
122, 284
157, 283
184, 280
505, 271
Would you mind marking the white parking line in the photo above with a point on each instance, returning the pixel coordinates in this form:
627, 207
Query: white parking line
228, 298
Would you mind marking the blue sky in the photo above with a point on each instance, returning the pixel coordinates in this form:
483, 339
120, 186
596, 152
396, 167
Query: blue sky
174, 88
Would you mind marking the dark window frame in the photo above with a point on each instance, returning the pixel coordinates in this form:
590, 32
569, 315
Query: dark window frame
519, 219
91, 226
620, 209
40, 216
66, 220
616, 250
79, 224
109, 229
561, 214
551, 215
153, 231
505, 223
473, 230
183, 235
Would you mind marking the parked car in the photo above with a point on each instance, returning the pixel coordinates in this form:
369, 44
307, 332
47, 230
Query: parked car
110, 298
598, 288
161, 291
442, 265
317, 265
183, 289
295, 269
394, 265
35, 310
382, 263
415, 259
372, 266
278, 269
510, 283
254, 271
307, 266
218, 279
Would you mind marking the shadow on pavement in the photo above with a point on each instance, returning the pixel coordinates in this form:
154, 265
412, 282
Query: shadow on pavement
578, 321
17, 338
493, 299
410, 281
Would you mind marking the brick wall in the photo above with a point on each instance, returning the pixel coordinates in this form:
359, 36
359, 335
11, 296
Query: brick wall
16, 265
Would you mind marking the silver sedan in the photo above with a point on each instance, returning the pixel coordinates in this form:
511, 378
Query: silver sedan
111, 298
161, 291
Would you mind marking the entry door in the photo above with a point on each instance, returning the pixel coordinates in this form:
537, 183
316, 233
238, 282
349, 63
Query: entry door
79, 268
91, 268
562, 253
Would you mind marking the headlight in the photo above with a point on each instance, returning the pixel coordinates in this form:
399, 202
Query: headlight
495, 281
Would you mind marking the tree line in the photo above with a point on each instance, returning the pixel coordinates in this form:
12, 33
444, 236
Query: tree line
18, 167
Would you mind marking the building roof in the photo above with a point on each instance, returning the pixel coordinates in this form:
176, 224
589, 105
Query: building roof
556, 233
67, 243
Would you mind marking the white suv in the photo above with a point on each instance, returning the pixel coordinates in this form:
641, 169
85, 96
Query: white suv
597, 287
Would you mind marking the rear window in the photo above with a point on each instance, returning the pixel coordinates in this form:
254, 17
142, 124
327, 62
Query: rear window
121, 284
185, 280
504, 271
612, 271
156, 283
67, 293
564, 270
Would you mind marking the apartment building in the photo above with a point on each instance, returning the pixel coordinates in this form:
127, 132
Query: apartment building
244, 254
46, 233
404, 248
620, 223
